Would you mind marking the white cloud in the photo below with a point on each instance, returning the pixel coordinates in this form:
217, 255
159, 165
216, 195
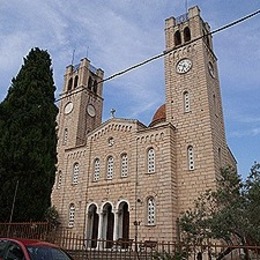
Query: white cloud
117, 34
252, 132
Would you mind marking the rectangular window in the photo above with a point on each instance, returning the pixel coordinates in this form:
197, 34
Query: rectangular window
151, 160
124, 166
110, 163
75, 174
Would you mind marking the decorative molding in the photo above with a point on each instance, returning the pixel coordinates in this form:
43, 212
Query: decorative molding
112, 128
151, 138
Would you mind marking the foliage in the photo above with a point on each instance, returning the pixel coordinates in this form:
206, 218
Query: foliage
51, 215
28, 140
177, 255
231, 213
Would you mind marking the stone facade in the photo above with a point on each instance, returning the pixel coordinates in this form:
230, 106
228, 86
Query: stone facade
122, 179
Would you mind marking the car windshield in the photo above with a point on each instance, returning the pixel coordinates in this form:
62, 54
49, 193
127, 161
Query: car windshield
47, 253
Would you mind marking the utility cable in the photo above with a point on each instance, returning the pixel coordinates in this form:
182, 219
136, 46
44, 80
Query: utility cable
178, 47
158, 56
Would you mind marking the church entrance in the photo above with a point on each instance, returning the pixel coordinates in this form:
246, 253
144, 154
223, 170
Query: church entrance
108, 225
123, 221
92, 228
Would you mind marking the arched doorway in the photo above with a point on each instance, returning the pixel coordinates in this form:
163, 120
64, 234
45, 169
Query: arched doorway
123, 221
92, 228
108, 225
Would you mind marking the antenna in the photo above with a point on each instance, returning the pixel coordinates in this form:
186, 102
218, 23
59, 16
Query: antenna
73, 53
186, 5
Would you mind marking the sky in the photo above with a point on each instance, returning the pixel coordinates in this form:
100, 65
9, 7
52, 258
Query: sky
116, 34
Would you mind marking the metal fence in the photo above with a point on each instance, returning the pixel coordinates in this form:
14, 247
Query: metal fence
36, 230
81, 248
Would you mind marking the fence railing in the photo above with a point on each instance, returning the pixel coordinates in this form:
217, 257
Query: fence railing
150, 249
82, 248
36, 230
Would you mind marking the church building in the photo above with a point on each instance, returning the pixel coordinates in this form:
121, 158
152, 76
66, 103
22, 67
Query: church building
123, 179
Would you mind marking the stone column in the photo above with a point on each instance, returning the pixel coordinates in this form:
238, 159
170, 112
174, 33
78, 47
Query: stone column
100, 228
115, 233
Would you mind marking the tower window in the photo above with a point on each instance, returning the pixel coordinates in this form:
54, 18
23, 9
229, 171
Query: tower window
70, 84
110, 164
206, 38
186, 101
65, 138
75, 176
90, 83
76, 79
215, 106
190, 156
151, 211
219, 157
177, 38
96, 169
95, 87
187, 35
124, 165
59, 179
151, 160
71, 215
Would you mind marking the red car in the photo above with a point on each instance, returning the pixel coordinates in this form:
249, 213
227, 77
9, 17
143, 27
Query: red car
30, 249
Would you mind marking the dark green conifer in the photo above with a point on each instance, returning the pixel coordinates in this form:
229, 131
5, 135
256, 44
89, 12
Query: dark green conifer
28, 140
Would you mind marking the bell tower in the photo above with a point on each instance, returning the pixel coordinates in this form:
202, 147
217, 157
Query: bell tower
193, 105
81, 103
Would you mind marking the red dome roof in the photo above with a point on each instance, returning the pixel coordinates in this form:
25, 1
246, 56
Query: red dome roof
159, 116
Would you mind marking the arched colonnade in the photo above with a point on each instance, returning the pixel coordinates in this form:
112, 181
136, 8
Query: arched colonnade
107, 223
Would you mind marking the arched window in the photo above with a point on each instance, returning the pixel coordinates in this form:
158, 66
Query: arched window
187, 35
96, 169
95, 87
206, 38
177, 38
69, 84
65, 137
71, 215
190, 156
76, 79
75, 176
186, 101
59, 179
215, 104
124, 165
90, 83
151, 211
110, 164
219, 157
151, 160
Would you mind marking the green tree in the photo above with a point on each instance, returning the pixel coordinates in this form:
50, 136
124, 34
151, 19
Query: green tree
251, 193
28, 140
231, 213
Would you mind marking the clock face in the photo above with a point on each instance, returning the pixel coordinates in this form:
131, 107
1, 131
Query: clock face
183, 66
68, 108
91, 110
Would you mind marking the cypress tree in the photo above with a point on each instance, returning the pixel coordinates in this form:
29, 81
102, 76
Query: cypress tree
28, 140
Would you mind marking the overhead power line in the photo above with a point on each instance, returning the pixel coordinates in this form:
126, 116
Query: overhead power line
176, 48
158, 56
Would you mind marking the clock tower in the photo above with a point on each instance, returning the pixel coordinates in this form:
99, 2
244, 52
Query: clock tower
81, 103
193, 105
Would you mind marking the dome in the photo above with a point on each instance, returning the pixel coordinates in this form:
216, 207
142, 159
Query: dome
159, 116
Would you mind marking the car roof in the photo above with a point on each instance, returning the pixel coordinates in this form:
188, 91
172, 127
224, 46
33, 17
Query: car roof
30, 242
